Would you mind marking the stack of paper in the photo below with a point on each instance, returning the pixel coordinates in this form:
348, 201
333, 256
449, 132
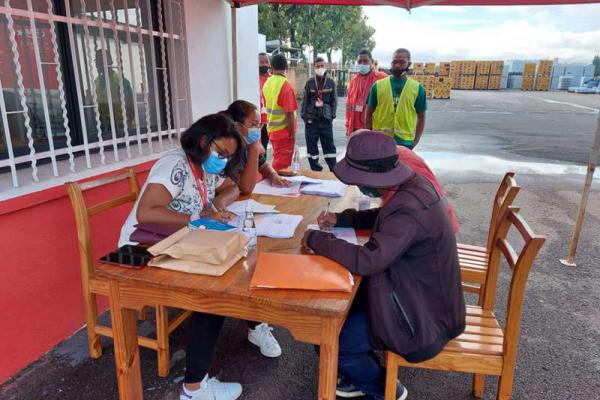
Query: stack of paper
325, 188
239, 207
347, 234
278, 226
265, 187
303, 179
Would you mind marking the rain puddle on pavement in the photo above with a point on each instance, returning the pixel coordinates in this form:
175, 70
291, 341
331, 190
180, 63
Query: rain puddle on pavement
458, 162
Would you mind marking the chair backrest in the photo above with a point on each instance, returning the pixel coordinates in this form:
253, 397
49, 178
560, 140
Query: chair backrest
520, 265
507, 191
83, 212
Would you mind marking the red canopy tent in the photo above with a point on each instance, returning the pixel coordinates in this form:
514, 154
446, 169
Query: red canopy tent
410, 4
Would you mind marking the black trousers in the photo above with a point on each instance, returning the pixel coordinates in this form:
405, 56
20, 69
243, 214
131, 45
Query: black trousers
202, 334
264, 136
320, 129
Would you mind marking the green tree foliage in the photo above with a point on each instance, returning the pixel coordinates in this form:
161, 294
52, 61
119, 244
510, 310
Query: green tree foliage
325, 28
596, 63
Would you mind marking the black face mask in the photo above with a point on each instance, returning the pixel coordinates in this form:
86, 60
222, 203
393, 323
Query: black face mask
399, 73
263, 69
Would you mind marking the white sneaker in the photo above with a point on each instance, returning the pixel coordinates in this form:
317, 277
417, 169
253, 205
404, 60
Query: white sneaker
262, 337
212, 389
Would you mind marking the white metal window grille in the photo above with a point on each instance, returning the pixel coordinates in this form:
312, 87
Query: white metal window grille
86, 83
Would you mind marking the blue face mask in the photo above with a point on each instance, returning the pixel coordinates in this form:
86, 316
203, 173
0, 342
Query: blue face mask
364, 69
213, 164
371, 192
253, 135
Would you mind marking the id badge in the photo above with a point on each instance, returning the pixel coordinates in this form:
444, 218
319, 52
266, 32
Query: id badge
358, 108
319, 103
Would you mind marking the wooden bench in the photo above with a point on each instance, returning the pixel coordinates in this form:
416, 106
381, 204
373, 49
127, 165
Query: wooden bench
484, 348
93, 286
474, 259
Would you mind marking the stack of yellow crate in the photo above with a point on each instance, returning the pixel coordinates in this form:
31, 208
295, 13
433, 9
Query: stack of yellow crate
444, 69
528, 77
429, 69
418, 69
483, 72
467, 77
495, 80
455, 71
443, 87
544, 73
496, 67
428, 81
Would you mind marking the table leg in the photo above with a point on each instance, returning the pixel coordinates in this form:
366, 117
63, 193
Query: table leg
328, 362
127, 355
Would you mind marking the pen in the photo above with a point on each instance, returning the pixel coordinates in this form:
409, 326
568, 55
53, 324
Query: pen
215, 208
327, 209
327, 228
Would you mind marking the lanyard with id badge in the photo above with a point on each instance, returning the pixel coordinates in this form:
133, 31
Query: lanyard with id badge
319, 101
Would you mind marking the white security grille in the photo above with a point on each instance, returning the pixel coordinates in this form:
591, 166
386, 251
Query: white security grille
87, 82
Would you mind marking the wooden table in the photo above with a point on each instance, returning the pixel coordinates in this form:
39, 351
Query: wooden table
311, 317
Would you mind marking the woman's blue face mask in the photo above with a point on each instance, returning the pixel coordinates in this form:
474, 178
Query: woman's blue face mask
214, 164
253, 135
371, 192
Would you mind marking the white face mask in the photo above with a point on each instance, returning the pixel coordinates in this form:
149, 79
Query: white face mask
320, 71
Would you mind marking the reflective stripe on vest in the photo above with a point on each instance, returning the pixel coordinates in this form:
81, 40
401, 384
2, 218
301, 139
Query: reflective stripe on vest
275, 113
402, 121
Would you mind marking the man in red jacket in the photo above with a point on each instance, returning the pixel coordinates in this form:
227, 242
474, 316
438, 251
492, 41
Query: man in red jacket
264, 73
410, 300
358, 91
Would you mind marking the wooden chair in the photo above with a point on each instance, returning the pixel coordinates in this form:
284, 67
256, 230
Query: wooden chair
484, 348
474, 259
93, 286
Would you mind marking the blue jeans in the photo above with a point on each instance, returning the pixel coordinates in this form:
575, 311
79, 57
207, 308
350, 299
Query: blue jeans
356, 361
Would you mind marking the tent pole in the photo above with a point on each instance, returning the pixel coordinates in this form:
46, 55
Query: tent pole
570, 260
234, 52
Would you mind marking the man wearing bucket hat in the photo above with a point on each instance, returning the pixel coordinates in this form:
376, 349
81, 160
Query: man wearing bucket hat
411, 299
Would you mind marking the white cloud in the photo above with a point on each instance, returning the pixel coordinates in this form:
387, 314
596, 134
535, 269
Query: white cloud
571, 33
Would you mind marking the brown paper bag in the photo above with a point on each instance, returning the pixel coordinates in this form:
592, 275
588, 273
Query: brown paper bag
199, 252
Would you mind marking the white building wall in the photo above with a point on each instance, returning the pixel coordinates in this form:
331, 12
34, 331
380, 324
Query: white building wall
208, 31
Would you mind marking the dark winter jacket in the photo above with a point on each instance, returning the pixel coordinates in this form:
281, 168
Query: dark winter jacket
410, 264
325, 90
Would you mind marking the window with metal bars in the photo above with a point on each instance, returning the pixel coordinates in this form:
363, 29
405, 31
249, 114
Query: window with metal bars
89, 82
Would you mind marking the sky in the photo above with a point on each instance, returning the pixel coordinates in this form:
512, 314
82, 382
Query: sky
570, 33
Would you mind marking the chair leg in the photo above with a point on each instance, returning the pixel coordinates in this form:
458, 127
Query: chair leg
91, 315
162, 340
505, 383
391, 376
478, 385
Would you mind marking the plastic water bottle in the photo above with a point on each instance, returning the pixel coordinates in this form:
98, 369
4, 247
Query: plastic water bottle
296, 161
249, 228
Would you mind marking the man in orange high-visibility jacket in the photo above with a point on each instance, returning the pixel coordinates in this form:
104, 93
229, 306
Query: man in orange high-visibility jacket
281, 104
358, 91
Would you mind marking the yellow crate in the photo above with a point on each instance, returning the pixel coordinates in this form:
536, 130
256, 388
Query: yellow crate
455, 68
528, 83
467, 82
418, 68
443, 87
429, 69
544, 67
496, 67
444, 69
483, 67
542, 83
495, 82
468, 68
529, 70
481, 82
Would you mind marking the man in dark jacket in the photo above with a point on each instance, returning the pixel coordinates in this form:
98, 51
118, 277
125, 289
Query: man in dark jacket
411, 299
319, 106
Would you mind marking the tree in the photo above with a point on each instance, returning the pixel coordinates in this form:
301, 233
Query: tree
325, 28
596, 63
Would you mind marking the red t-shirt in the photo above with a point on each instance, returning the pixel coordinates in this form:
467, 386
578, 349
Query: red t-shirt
287, 100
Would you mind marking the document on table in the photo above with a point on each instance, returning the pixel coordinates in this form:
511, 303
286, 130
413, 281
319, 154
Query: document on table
239, 207
265, 187
303, 179
347, 234
325, 188
278, 226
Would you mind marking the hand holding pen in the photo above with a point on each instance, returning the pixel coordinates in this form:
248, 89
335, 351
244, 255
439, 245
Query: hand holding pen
326, 219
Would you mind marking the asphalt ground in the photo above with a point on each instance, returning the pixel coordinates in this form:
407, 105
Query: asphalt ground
470, 141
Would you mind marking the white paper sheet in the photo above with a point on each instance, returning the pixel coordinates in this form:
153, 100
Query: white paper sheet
265, 187
239, 207
303, 179
347, 234
325, 188
278, 226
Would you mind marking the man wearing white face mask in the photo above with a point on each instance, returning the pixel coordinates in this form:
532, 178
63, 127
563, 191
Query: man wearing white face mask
358, 91
319, 107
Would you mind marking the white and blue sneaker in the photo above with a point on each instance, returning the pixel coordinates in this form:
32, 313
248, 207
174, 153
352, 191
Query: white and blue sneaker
212, 389
262, 337
346, 389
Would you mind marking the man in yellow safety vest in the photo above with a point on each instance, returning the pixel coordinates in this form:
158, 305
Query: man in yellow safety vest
397, 104
281, 105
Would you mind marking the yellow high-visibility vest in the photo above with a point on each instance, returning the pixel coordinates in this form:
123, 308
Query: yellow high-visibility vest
400, 120
275, 113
